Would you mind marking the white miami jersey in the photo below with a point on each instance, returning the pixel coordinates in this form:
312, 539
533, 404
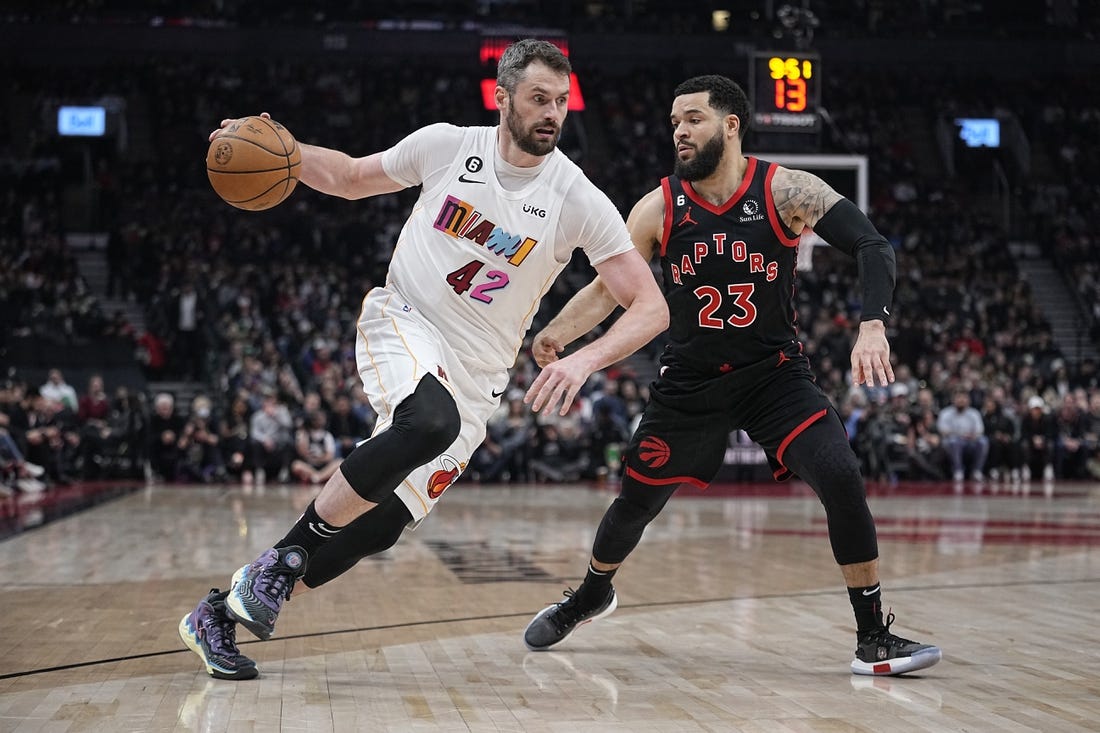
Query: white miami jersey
475, 258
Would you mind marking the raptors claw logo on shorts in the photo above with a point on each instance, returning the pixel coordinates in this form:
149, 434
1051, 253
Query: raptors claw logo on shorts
654, 452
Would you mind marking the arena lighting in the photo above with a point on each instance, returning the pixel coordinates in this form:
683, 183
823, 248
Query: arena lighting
489, 54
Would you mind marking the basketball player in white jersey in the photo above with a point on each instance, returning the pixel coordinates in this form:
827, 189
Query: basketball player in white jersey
499, 215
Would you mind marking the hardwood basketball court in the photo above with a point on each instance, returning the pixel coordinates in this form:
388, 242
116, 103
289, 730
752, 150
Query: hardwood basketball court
732, 615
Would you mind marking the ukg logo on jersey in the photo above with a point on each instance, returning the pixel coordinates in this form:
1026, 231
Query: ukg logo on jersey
460, 219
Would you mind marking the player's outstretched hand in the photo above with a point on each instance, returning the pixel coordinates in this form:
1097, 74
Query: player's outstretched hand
228, 120
560, 380
545, 349
871, 355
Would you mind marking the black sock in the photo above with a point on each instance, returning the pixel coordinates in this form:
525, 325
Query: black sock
310, 532
867, 604
597, 584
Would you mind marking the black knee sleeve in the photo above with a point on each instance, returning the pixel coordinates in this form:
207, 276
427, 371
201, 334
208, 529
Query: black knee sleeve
624, 522
424, 425
371, 533
822, 457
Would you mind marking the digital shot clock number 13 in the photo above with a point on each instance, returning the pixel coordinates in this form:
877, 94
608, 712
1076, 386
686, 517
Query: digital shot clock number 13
786, 91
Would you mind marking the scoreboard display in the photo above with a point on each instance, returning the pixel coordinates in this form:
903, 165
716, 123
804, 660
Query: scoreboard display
786, 91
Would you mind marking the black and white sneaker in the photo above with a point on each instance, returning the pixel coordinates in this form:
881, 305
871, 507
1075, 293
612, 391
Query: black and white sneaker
881, 653
554, 624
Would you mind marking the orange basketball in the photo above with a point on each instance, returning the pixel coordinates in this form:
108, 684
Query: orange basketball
254, 163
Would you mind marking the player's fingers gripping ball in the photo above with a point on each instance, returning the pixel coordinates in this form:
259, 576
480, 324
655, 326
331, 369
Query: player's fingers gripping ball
254, 163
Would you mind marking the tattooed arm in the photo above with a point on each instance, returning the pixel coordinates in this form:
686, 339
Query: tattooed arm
801, 198
804, 200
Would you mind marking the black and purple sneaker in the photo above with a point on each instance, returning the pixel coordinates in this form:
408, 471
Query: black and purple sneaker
212, 634
259, 589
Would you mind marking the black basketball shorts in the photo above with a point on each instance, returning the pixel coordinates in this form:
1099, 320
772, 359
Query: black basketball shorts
684, 432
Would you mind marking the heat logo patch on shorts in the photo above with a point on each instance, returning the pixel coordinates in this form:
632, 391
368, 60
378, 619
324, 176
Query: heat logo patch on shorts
440, 480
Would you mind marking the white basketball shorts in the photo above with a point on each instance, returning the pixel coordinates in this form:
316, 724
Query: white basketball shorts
394, 348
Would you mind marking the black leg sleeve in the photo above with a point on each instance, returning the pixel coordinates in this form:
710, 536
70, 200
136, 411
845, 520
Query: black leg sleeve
424, 425
377, 530
822, 457
626, 519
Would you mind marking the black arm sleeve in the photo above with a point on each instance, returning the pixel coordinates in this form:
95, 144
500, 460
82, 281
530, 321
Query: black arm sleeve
848, 229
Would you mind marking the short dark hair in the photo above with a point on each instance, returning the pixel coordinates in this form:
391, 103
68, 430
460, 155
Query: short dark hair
521, 54
725, 95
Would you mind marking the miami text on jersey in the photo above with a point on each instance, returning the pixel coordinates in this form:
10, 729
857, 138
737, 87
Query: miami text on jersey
738, 252
460, 219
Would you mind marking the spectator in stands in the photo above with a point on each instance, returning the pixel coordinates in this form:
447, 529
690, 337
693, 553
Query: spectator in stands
346, 426
1037, 438
315, 457
633, 401
92, 413
605, 433
60, 391
150, 352
1001, 427
53, 441
927, 456
15, 471
968, 341
963, 432
318, 358
118, 264
165, 427
611, 402
1071, 424
1092, 435
896, 421
188, 344
94, 404
127, 438
557, 453
270, 432
235, 447
851, 412
871, 441
303, 411
504, 452
200, 457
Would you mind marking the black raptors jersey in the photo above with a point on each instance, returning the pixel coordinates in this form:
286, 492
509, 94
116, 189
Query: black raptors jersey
728, 274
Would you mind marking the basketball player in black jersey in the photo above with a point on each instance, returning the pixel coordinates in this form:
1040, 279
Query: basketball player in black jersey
726, 228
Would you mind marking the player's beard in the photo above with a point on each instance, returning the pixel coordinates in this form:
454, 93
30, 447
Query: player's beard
705, 162
525, 139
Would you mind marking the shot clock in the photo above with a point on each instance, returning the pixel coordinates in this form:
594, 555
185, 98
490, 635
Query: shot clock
785, 91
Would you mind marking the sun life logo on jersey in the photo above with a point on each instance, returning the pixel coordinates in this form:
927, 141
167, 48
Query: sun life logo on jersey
460, 219
751, 210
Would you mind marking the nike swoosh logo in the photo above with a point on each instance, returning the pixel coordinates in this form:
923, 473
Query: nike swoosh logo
884, 310
871, 591
322, 530
464, 179
497, 394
